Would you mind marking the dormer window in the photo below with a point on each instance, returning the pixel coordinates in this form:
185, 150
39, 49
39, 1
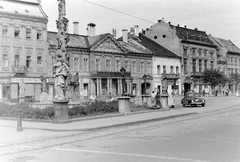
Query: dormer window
27, 11
1, 7
16, 11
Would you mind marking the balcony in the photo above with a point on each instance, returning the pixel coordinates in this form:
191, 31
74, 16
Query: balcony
19, 68
171, 76
196, 74
109, 74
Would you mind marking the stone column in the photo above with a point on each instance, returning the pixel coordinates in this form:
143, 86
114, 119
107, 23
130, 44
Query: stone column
100, 86
97, 87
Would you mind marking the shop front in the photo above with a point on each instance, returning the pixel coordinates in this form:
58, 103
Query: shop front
31, 89
4, 89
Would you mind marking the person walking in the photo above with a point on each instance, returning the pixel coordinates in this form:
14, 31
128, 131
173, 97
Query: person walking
158, 102
153, 95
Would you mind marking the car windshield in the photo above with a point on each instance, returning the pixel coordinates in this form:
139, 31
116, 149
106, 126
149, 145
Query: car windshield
193, 95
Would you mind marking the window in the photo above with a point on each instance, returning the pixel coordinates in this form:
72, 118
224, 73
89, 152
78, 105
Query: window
200, 65
185, 65
149, 67
211, 65
5, 31
98, 64
118, 66
17, 32
171, 70
76, 64
236, 61
184, 52
127, 65
39, 61
108, 65
39, 34
194, 65
134, 69
17, 60
28, 33
164, 70
142, 67
158, 69
85, 64
236, 71
205, 64
5, 60
28, 61
177, 70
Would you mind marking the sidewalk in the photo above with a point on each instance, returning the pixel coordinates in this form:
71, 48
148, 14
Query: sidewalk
8, 130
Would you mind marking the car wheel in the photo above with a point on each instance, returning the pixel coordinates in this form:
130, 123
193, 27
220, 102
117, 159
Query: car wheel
203, 105
183, 105
190, 105
172, 106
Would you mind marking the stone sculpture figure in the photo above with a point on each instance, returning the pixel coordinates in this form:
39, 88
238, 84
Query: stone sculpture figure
164, 86
22, 88
61, 7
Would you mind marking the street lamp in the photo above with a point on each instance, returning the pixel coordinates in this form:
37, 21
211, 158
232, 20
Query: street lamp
122, 70
145, 83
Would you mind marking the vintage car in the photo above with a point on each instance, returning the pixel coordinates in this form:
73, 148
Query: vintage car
193, 99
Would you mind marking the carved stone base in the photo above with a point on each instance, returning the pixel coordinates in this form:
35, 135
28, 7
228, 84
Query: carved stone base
145, 100
164, 101
21, 99
61, 112
124, 105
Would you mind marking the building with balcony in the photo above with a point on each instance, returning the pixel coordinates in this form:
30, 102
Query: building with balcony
23, 43
166, 65
196, 50
228, 60
98, 60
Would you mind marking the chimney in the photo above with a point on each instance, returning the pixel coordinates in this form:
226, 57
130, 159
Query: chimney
125, 35
75, 27
159, 21
196, 29
114, 33
185, 26
136, 32
91, 29
169, 23
178, 25
132, 30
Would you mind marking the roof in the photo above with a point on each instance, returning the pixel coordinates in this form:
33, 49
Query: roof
76, 41
22, 8
156, 48
192, 35
228, 44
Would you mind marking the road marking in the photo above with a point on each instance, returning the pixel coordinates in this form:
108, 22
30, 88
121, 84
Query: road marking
129, 154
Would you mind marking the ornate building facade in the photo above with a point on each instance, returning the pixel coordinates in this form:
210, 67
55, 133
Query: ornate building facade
196, 50
23, 43
98, 60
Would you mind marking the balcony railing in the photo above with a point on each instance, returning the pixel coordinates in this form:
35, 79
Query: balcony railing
197, 74
171, 75
19, 68
109, 74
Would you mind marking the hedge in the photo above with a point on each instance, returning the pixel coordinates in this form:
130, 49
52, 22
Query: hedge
97, 108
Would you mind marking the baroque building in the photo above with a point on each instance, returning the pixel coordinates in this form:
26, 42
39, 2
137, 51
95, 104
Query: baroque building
23, 43
196, 50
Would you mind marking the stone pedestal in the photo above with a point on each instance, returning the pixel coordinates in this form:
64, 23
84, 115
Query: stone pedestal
21, 99
164, 101
124, 105
145, 100
61, 111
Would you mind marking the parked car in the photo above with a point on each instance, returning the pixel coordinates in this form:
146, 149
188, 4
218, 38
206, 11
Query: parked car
193, 99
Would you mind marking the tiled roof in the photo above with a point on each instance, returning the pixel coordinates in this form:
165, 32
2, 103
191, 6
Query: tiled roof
229, 45
192, 35
22, 7
156, 48
77, 41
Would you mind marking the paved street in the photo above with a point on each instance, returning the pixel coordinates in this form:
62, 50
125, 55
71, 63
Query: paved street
200, 137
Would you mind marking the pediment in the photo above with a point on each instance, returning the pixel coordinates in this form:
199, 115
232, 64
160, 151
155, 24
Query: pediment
108, 45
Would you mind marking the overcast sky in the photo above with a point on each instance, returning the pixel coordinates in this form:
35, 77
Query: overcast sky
221, 18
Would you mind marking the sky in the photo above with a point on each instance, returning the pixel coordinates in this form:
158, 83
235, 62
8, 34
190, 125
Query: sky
220, 18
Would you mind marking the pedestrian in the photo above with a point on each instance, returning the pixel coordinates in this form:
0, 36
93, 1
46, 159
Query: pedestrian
153, 95
157, 98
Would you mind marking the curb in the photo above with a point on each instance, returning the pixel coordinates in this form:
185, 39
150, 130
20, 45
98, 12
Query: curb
110, 126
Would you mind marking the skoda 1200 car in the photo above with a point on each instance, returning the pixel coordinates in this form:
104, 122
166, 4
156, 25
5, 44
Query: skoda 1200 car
193, 99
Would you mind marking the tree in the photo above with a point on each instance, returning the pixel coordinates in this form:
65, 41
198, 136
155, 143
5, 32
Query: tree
234, 79
214, 77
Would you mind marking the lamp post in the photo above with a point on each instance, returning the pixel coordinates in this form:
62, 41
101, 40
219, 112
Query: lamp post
122, 70
145, 83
